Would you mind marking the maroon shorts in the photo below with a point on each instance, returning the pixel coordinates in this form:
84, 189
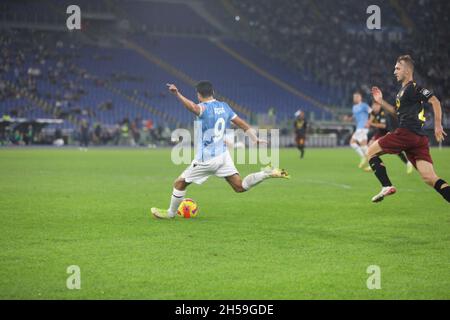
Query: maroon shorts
415, 146
378, 135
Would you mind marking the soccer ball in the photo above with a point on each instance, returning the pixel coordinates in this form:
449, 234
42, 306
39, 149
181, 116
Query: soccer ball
188, 209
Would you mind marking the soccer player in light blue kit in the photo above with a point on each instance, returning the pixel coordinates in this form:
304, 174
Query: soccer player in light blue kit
212, 156
358, 142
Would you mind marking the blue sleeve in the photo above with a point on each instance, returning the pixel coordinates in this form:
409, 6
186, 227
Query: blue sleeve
231, 113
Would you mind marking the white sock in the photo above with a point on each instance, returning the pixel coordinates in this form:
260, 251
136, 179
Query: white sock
253, 179
175, 200
364, 150
358, 149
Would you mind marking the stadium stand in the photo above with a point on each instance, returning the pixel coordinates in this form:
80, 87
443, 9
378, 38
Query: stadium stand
167, 17
330, 40
202, 59
260, 63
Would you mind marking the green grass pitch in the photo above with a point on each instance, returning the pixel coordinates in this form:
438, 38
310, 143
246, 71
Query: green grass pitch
311, 237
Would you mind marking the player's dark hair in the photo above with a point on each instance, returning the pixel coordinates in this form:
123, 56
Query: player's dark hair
358, 92
407, 60
205, 88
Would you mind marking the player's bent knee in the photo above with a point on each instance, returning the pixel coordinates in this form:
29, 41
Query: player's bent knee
180, 184
373, 150
238, 188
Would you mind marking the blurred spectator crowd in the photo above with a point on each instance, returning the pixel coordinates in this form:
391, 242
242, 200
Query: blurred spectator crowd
329, 41
40, 77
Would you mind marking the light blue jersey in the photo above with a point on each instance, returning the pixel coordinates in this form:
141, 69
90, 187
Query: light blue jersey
361, 114
211, 125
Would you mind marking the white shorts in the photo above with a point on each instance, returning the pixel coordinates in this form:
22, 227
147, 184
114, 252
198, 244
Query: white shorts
220, 166
360, 135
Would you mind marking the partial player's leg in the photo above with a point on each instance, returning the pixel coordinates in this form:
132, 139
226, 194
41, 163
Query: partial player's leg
359, 143
428, 175
371, 142
364, 160
380, 171
402, 157
355, 146
228, 171
301, 146
178, 193
409, 165
235, 182
194, 173
254, 179
364, 148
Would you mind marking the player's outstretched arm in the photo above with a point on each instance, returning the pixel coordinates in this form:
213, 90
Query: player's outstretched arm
188, 104
378, 97
438, 129
241, 123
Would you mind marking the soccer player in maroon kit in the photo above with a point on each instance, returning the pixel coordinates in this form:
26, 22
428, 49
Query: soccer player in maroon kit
383, 124
409, 136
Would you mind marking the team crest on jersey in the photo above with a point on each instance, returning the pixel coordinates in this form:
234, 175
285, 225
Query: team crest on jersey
426, 92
